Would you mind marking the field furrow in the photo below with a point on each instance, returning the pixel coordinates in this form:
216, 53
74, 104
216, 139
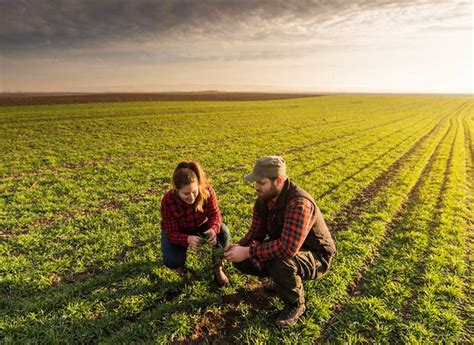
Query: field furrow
433, 315
375, 303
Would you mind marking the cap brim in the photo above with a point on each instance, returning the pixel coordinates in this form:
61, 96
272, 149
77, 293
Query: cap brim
253, 177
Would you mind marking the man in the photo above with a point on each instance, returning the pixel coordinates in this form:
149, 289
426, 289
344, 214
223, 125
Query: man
288, 240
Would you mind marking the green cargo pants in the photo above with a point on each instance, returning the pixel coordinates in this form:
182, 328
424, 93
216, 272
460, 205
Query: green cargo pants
287, 273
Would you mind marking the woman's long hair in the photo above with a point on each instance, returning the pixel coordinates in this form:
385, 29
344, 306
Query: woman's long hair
190, 171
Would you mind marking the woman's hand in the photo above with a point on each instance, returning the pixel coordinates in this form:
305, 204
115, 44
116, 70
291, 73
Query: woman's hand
211, 237
193, 241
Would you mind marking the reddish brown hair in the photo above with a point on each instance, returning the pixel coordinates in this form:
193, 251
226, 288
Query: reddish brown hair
190, 171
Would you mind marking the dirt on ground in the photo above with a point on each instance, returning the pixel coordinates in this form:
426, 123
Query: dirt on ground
13, 99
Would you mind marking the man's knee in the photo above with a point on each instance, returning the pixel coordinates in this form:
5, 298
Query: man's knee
281, 269
280, 266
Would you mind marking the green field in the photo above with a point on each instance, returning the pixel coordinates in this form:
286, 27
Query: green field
80, 257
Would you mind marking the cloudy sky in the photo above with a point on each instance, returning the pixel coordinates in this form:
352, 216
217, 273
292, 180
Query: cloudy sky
275, 45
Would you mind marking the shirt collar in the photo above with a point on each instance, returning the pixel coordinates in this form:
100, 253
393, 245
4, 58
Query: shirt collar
279, 202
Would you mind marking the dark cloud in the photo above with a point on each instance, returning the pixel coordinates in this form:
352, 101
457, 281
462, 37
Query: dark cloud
38, 24
150, 32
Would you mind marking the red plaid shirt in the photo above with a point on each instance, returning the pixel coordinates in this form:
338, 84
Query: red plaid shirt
179, 219
300, 216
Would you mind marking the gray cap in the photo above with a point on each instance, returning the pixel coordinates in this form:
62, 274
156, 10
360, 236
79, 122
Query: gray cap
268, 166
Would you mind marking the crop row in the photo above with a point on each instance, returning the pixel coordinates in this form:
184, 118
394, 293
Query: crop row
42, 197
380, 304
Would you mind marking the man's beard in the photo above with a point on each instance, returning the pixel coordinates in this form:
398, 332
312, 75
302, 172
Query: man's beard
273, 192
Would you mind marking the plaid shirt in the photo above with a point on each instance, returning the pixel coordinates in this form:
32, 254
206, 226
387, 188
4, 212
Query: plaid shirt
180, 219
300, 216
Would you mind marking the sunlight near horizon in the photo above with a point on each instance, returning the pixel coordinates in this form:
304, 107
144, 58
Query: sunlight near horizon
406, 48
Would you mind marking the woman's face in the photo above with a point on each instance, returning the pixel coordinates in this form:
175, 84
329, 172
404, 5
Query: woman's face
189, 193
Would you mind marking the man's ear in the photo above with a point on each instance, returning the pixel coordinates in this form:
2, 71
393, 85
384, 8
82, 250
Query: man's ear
279, 181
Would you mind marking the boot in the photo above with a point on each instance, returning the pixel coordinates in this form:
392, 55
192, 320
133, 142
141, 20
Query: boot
219, 275
290, 314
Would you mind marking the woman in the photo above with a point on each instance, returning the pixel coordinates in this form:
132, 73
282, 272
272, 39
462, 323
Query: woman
189, 213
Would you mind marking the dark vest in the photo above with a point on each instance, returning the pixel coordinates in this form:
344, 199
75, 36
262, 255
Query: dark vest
318, 239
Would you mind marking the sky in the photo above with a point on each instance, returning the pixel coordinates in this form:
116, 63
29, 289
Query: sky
277, 45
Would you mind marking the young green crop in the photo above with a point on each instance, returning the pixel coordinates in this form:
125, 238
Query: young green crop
80, 257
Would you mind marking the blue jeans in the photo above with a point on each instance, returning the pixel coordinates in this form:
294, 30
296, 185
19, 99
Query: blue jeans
174, 256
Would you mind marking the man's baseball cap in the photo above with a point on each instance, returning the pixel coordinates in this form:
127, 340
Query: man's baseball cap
268, 166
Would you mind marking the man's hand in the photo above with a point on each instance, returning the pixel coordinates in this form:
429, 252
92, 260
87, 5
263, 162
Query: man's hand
194, 241
230, 245
237, 253
211, 237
